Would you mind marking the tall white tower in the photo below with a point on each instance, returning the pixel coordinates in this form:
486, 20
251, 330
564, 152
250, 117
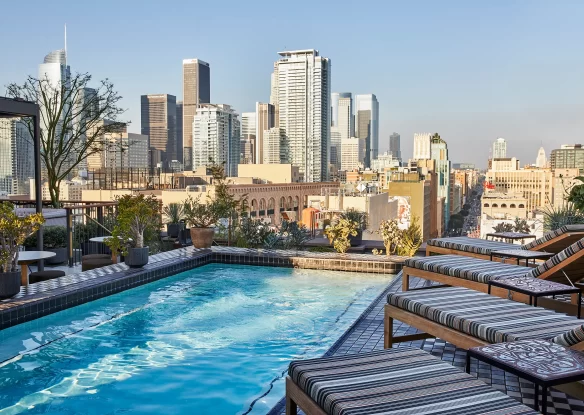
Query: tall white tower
541, 160
301, 90
499, 148
422, 149
342, 124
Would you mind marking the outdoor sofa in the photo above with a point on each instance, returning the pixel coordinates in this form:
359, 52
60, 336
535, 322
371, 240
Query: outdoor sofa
554, 242
404, 380
468, 318
566, 267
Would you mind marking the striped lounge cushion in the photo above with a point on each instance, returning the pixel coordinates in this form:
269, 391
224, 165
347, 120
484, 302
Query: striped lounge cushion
468, 268
559, 257
487, 317
554, 234
474, 245
400, 381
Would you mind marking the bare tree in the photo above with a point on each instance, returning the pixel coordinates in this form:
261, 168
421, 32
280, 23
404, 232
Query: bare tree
74, 122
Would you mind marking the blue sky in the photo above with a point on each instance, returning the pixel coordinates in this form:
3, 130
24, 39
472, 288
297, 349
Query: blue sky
471, 71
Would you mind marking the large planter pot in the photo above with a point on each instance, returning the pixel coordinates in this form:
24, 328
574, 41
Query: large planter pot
357, 239
172, 229
137, 257
59, 258
202, 237
9, 284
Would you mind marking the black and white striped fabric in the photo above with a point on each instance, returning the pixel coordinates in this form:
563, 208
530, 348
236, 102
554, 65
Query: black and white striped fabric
400, 381
468, 268
474, 245
484, 247
487, 317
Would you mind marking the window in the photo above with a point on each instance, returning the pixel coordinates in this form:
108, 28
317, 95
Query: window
521, 206
495, 205
504, 205
486, 205
512, 206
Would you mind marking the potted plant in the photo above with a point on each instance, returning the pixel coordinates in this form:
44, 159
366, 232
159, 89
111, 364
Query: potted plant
201, 217
13, 232
360, 219
174, 215
55, 240
339, 233
138, 215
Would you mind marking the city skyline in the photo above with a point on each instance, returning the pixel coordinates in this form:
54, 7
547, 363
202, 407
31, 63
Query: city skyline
492, 82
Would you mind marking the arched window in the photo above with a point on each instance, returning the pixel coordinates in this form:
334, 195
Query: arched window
521, 206
512, 206
504, 205
495, 205
486, 205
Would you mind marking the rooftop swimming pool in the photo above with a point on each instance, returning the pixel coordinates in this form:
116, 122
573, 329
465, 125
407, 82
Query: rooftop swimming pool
213, 340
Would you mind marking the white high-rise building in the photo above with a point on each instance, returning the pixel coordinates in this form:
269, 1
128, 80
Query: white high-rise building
248, 137
500, 148
367, 124
16, 157
301, 91
342, 124
216, 137
266, 118
422, 149
541, 160
274, 147
352, 153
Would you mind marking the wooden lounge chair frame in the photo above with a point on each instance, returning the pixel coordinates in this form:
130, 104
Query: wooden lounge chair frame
430, 329
564, 240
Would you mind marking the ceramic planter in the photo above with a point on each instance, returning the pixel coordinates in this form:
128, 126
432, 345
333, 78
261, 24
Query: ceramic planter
172, 229
9, 284
202, 237
137, 257
59, 258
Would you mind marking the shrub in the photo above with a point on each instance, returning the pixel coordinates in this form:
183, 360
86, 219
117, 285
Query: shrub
338, 234
202, 215
174, 212
357, 216
13, 232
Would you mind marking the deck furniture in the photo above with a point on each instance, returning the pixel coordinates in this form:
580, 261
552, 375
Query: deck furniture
520, 254
25, 258
404, 380
536, 288
511, 237
93, 261
565, 267
45, 275
541, 362
468, 318
554, 241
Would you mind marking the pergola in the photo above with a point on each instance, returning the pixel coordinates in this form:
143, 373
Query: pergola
20, 108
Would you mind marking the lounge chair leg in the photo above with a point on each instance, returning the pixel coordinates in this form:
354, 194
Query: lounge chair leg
405, 282
387, 330
291, 407
574, 298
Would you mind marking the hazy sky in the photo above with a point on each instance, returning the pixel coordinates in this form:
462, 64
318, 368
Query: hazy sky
471, 71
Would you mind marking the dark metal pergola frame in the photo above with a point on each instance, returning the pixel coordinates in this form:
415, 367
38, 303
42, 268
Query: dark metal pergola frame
20, 108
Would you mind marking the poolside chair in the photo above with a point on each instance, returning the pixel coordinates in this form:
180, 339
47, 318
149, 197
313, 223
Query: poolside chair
408, 380
554, 242
467, 318
566, 267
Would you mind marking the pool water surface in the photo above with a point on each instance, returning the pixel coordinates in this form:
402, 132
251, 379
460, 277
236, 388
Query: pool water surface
213, 340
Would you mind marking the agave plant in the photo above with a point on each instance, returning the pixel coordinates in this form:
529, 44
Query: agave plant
556, 217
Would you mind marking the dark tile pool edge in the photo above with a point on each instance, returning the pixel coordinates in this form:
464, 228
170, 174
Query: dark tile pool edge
31, 307
280, 407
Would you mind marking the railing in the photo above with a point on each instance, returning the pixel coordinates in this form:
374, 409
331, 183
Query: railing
85, 221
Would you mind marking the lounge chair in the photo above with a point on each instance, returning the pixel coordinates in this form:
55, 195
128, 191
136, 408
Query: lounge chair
554, 242
566, 267
468, 318
404, 380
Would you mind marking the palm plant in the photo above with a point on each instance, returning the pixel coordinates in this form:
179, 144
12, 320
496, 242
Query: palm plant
556, 217
174, 212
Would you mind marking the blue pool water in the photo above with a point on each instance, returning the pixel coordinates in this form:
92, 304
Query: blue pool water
212, 340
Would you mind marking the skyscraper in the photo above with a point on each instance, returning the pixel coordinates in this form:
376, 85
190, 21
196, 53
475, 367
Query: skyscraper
179, 132
158, 116
367, 124
301, 88
16, 156
541, 160
196, 90
266, 118
439, 153
352, 153
216, 137
342, 124
500, 148
422, 148
248, 137
395, 146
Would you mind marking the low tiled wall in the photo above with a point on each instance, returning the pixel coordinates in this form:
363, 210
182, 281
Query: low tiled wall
56, 295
